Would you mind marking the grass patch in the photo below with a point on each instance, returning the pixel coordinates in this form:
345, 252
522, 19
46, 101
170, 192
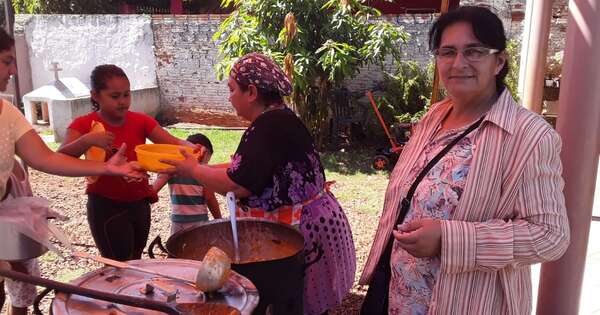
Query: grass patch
64, 275
358, 185
349, 161
67, 275
224, 142
49, 256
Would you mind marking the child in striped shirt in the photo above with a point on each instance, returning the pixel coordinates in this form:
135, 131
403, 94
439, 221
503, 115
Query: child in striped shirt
190, 201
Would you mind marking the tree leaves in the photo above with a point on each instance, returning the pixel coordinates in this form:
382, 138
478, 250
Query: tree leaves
333, 39
65, 6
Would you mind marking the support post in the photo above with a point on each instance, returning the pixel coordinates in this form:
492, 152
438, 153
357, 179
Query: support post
436, 78
579, 127
538, 30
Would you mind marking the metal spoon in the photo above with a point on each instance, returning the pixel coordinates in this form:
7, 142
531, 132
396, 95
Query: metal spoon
230, 196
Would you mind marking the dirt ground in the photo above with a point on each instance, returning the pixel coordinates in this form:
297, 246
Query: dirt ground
67, 197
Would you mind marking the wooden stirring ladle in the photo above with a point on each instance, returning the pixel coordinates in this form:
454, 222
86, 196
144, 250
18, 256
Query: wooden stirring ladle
124, 265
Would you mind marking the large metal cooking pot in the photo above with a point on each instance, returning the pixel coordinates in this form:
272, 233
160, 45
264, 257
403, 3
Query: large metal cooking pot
112, 290
271, 256
16, 246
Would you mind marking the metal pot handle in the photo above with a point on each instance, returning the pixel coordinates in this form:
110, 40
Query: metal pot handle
156, 242
94, 294
316, 248
38, 299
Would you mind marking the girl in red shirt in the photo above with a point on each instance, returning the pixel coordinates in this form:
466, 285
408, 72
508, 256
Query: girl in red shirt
118, 209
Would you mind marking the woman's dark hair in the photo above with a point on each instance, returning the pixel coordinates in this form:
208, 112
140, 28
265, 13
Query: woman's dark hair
201, 139
100, 75
487, 27
267, 96
6, 41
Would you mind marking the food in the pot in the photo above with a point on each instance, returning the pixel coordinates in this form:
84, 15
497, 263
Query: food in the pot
214, 270
95, 153
265, 250
207, 309
253, 250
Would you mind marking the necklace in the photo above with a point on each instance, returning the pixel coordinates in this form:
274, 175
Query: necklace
273, 106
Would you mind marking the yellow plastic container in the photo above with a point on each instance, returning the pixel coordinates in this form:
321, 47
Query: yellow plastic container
95, 153
149, 155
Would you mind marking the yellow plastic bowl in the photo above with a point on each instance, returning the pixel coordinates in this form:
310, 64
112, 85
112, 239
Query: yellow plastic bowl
149, 155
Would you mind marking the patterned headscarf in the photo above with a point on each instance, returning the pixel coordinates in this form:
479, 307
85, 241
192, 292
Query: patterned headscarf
261, 71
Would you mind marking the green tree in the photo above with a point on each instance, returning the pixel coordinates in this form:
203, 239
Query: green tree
512, 78
26, 6
66, 6
407, 92
320, 44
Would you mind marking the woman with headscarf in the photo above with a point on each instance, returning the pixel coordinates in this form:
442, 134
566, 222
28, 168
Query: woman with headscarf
277, 174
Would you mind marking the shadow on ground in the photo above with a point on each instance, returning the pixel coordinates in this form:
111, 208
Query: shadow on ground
350, 161
350, 305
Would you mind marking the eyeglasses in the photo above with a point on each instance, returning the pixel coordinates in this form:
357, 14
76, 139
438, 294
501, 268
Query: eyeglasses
471, 54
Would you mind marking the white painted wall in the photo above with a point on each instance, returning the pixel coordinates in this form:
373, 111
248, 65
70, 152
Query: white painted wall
81, 42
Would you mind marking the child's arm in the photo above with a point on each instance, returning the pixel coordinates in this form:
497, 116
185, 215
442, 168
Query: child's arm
220, 165
76, 144
160, 135
160, 182
213, 204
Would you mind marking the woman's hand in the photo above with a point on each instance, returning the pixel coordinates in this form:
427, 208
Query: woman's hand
101, 139
420, 238
183, 168
117, 165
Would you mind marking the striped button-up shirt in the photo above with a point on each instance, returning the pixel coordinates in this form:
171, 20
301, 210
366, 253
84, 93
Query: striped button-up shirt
511, 214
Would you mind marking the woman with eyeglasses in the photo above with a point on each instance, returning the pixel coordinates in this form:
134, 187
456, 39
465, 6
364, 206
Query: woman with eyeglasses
476, 196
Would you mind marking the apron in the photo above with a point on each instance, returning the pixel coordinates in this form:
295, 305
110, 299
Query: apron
286, 214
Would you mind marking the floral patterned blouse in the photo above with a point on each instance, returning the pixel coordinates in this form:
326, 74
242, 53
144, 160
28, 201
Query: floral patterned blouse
277, 162
436, 196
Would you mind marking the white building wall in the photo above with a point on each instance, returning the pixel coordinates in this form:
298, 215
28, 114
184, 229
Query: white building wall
81, 42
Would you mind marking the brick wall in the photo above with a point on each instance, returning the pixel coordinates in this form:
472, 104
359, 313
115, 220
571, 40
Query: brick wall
415, 49
418, 25
185, 60
185, 56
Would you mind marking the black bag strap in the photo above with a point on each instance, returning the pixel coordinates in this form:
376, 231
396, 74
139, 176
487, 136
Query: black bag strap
376, 300
405, 203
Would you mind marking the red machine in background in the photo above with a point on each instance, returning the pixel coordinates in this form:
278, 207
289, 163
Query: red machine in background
386, 158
